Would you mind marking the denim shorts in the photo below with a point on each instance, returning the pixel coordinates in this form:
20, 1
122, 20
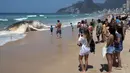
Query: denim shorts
119, 48
110, 49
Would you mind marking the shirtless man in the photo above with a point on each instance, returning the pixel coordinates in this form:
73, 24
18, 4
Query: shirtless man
58, 26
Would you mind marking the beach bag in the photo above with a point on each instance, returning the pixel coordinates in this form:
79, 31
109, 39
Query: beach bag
104, 51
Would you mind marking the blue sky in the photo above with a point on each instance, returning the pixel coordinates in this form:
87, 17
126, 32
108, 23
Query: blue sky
38, 6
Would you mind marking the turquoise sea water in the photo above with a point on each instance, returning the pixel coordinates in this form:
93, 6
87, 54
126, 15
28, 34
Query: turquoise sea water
7, 19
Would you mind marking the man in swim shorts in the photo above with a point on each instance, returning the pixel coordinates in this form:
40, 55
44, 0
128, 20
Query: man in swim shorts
58, 31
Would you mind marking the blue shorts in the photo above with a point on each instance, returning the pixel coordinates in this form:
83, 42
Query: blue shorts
110, 49
119, 49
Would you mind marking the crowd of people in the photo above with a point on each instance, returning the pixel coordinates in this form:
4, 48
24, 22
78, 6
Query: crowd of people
112, 33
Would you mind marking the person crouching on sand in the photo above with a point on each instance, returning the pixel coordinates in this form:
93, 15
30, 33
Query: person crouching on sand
84, 44
58, 26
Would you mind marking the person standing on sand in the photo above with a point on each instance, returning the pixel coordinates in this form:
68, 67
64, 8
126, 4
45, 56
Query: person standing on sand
79, 27
104, 29
84, 44
93, 23
58, 31
92, 43
86, 22
72, 26
51, 29
118, 46
110, 45
98, 30
110, 50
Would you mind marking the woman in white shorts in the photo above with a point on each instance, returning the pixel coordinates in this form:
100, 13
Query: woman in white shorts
84, 42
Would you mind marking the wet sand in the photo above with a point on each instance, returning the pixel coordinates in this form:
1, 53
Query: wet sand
39, 52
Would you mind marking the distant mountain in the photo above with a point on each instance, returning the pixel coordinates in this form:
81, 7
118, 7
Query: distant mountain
88, 6
71, 9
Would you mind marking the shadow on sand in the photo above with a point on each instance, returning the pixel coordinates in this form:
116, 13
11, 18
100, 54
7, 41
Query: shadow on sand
89, 67
104, 68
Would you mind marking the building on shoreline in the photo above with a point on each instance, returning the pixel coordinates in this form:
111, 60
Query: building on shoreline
128, 5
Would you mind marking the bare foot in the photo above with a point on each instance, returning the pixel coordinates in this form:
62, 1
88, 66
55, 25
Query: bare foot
83, 72
118, 68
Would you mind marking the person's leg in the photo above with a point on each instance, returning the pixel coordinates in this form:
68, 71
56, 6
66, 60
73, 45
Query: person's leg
51, 32
98, 38
57, 33
60, 33
86, 60
102, 38
114, 60
109, 59
92, 46
81, 63
72, 28
119, 59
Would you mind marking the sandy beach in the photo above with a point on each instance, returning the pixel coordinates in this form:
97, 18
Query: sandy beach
39, 52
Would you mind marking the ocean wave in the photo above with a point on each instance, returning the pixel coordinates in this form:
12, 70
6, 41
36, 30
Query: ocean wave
20, 19
3, 19
8, 36
17, 30
45, 17
31, 15
41, 15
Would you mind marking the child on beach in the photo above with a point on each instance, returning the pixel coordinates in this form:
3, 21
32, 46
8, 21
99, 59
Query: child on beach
84, 44
51, 29
72, 27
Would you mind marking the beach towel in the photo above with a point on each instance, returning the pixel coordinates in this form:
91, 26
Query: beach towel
104, 51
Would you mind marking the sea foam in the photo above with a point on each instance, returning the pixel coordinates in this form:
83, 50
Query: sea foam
3, 19
20, 19
18, 30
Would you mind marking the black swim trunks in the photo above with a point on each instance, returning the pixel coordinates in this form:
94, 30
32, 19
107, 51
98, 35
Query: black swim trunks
58, 32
